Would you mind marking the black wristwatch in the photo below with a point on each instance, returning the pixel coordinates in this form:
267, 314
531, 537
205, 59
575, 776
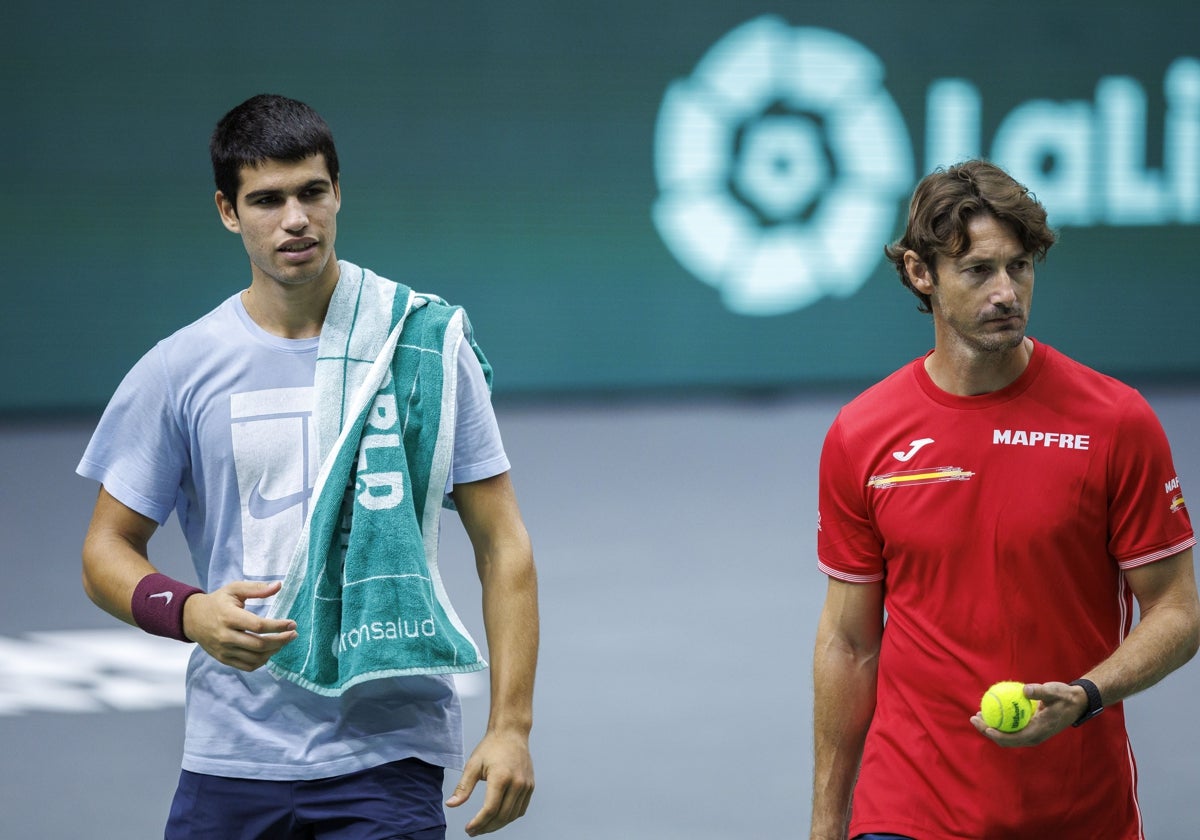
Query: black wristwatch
1095, 705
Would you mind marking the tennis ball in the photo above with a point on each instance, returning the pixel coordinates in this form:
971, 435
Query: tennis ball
1005, 707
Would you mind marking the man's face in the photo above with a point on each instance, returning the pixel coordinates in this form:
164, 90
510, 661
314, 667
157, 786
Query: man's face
287, 217
981, 299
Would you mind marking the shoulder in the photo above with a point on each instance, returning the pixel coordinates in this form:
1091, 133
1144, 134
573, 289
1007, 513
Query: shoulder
201, 333
179, 351
1065, 378
433, 324
1112, 410
880, 402
419, 308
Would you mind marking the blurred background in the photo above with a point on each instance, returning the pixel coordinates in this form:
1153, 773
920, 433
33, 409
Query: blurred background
666, 221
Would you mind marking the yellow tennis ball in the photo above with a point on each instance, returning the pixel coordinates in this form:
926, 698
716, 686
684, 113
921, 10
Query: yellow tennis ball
1005, 707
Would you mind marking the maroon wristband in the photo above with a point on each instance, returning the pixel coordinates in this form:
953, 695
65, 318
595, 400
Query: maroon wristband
158, 605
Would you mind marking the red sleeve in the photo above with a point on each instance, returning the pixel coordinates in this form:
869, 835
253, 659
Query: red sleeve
848, 547
1147, 518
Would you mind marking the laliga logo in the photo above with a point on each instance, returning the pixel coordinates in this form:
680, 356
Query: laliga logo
782, 161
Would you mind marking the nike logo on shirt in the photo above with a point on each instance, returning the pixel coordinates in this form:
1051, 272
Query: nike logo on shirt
261, 507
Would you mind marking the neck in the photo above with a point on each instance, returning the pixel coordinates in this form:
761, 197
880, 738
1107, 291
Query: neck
290, 311
969, 372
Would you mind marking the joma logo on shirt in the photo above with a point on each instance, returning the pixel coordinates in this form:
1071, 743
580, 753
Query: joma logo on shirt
1020, 437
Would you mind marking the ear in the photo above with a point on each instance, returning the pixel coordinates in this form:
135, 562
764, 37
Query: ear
228, 211
919, 273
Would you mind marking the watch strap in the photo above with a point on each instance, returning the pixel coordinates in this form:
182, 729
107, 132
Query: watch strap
1095, 704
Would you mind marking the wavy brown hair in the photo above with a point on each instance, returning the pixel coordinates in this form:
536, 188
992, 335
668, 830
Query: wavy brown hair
946, 201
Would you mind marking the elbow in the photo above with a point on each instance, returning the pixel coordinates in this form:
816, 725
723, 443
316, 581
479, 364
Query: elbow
91, 574
516, 577
848, 655
1189, 635
508, 560
87, 578
1192, 641
91, 590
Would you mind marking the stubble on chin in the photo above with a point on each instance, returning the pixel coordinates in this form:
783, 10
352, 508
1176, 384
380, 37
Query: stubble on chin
1001, 342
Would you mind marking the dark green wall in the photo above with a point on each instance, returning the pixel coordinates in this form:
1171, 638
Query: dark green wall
502, 155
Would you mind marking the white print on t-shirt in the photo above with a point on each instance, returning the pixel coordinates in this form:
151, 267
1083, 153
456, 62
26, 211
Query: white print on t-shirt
1171, 488
1021, 437
913, 448
275, 457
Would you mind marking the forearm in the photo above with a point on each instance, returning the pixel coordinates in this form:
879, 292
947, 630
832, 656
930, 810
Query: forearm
844, 683
510, 616
1166, 636
114, 560
1163, 640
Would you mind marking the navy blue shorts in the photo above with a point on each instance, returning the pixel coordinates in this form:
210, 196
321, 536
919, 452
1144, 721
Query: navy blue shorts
397, 801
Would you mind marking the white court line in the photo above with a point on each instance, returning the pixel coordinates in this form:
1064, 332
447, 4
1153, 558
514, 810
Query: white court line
114, 669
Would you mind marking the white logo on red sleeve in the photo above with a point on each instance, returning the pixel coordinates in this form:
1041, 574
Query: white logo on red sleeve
1171, 488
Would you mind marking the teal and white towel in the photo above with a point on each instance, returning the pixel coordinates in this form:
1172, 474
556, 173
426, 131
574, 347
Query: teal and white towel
363, 586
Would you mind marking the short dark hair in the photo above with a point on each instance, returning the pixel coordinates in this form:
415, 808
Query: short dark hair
267, 127
946, 201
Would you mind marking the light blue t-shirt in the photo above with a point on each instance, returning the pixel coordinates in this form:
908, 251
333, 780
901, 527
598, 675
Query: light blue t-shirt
215, 423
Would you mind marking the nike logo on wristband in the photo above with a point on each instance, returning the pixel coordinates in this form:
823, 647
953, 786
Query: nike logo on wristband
166, 596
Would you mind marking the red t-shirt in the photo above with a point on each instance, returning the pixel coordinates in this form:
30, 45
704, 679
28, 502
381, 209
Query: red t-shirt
999, 525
